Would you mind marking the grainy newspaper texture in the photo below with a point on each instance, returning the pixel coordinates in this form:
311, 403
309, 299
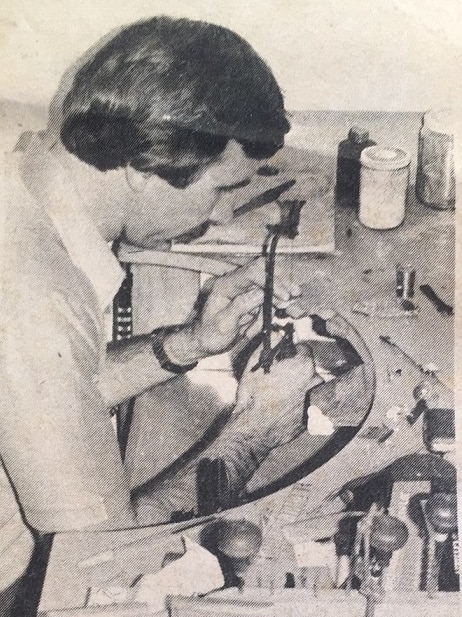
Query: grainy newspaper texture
228, 318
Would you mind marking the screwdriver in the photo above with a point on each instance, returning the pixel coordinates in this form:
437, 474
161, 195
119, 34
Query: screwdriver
388, 340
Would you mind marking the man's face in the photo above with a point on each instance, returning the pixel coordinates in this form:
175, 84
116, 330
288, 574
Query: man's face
161, 212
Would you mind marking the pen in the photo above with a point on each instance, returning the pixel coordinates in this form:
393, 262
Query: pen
111, 554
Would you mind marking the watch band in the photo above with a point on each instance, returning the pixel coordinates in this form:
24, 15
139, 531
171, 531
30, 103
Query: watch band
157, 341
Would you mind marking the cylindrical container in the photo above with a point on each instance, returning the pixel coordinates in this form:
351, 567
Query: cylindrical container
405, 280
435, 180
349, 166
383, 187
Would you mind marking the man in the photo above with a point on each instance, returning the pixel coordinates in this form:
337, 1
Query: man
163, 118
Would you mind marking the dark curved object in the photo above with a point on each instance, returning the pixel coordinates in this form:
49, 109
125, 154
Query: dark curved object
388, 533
378, 486
338, 440
334, 445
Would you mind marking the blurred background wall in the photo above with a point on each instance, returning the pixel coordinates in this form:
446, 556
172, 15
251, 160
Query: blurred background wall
327, 54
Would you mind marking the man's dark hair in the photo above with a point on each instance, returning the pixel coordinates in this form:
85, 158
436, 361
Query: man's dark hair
166, 95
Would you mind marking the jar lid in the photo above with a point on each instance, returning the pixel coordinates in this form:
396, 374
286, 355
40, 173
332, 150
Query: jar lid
358, 134
382, 157
440, 121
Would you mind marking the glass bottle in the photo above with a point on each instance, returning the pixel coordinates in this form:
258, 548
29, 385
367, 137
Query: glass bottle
435, 180
349, 166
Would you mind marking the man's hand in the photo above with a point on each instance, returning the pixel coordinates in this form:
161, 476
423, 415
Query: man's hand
272, 405
231, 307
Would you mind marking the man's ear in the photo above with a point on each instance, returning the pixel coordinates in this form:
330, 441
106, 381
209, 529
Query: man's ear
136, 179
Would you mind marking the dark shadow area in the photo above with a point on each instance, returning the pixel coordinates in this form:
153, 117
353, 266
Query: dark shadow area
28, 598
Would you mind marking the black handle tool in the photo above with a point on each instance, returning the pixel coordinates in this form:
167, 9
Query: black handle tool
287, 227
441, 306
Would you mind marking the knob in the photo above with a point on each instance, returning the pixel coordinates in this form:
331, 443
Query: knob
388, 533
441, 512
239, 539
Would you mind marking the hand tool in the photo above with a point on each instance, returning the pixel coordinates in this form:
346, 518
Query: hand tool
264, 198
287, 227
441, 306
388, 340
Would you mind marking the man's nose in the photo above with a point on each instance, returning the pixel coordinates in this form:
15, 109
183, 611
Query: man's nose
223, 210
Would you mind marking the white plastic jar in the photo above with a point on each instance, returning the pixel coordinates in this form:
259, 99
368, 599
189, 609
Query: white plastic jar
435, 180
383, 187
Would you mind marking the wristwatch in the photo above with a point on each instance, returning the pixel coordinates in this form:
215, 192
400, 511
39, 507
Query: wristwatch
157, 341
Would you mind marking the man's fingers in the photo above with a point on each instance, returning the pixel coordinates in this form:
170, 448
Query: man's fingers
244, 324
246, 320
244, 304
254, 328
241, 280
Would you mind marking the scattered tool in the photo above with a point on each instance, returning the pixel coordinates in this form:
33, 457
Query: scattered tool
264, 198
425, 394
419, 408
441, 306
423, 369
405, 279
386, 309
380, 434
288, 228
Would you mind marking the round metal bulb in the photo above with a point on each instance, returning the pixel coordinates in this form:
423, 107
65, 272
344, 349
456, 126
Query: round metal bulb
239, 539
388, 533
441, 510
